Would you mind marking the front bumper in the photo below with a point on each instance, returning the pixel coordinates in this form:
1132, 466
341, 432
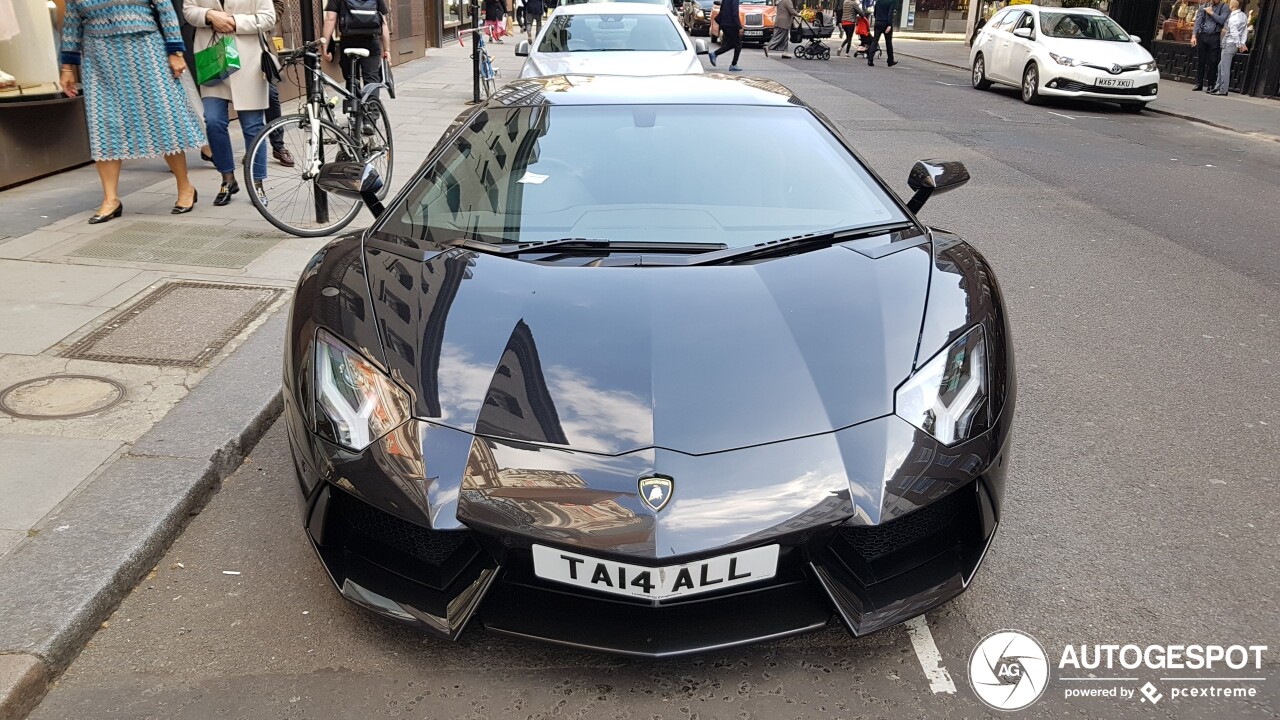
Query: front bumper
759, 35
1082, 82
870, 577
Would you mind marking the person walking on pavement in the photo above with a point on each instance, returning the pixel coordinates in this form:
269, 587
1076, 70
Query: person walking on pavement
128, 58
245, 90
731, 28
278, 149
1233, 41
494, 11
533, 11
357, 30
850, 11
884, 10
1206, 39
782, 20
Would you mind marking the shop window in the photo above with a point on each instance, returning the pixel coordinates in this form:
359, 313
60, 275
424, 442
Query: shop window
1175, 21
29, 62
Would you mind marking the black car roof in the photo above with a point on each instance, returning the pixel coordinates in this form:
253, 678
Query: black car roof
705, 89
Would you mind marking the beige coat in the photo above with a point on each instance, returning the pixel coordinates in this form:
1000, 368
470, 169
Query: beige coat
246, 88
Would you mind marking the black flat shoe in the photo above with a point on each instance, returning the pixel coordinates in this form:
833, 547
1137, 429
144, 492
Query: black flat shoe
206, 158
180, 210
225, 193
1197, 88
97, 219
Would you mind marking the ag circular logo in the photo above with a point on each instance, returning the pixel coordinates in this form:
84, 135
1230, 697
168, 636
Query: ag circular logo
1008, 670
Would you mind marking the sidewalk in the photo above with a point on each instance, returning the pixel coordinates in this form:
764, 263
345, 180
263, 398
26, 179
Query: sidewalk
139, 362
1242, 114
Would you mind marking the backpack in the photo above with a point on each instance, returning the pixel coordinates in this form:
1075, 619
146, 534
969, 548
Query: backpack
359, 18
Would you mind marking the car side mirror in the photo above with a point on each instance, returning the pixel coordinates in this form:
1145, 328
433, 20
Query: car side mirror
934, 176
353, 180
1024, 33
522, 48
700, 46
1135, 39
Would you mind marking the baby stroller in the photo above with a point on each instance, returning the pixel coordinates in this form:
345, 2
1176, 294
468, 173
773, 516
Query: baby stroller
808, 37
862, 29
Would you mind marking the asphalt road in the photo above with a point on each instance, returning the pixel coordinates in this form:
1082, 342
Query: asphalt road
1143, 294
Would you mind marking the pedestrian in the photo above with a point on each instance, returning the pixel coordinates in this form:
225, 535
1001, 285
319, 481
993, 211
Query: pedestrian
1233, 41
884, 13
1206, 39
520, 20
188, 82
127, 56
361, 29
278, 149
731, 29
850, 11
533, 12
783, 18
246, 90
839, 9
494, 10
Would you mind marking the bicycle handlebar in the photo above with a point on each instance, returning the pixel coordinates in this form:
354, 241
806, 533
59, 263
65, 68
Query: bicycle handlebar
486, 30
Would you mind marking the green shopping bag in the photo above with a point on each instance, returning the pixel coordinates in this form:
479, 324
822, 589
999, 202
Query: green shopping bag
216, 62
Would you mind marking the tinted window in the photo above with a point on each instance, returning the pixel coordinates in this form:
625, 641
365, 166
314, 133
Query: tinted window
640, 173
1083, 27
601, 33
1027, 22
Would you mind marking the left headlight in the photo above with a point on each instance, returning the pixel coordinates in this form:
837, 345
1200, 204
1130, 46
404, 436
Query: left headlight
355, 402
947, 397
1149, 67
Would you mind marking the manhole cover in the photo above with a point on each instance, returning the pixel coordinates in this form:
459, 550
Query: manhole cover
182, 324
57, 397
180, 244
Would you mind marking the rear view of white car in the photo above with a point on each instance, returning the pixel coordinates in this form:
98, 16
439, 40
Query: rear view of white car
612, 38
1064, 52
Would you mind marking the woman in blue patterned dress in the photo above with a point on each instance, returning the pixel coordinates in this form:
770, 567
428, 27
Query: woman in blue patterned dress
133, 98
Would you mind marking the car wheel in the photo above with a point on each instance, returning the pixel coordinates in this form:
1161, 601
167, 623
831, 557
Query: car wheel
1134, 107
1031, 85
980, 81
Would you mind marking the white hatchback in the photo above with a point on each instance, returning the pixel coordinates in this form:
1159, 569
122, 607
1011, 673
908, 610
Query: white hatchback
1064, 52
611, 38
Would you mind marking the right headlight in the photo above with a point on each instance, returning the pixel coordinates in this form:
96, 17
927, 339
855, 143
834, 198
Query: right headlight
355, 403
1064, 60
947, 397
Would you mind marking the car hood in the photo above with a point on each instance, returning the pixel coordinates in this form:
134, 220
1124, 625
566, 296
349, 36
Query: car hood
1098, 52
614, 359
680, 62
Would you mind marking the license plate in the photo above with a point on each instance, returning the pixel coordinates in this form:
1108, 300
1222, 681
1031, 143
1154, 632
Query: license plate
657, 583
754, 33
1113, 82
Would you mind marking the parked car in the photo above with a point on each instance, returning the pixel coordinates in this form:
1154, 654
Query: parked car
756, 18
567, 389
1064, 52
695, 16
611, 39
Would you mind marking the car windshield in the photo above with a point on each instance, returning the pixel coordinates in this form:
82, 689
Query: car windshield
730, 174
1082, 27
603, 33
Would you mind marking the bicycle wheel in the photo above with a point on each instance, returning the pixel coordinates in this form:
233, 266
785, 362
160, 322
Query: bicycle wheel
378, 148
292, 201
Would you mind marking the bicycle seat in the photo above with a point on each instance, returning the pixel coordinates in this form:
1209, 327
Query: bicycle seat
356, 52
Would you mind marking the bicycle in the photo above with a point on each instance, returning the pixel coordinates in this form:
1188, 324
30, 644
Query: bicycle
488, 73
289, 197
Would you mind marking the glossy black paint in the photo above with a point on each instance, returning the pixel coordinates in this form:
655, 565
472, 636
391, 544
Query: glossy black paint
543, 392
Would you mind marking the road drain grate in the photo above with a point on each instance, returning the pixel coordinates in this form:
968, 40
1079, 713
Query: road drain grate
181, 244
181, 324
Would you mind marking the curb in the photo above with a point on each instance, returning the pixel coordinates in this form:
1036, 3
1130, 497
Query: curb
58, 587
1150, 109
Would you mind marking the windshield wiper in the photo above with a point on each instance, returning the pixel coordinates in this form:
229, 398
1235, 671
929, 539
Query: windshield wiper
578, 244
791, 245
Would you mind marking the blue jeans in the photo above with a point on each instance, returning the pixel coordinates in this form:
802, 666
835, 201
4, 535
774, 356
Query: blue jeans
216, 122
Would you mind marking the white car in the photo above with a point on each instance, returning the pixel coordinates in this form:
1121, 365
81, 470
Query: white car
611, 38
1064, 52
668, 4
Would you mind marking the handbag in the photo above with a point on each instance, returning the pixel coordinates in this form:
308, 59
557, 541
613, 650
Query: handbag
270, 60
218, 61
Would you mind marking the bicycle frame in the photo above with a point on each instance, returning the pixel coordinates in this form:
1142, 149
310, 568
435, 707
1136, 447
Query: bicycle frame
487, 71
355, 94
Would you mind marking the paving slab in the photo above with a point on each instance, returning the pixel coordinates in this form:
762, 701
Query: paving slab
29, 328
38, 472
22, 281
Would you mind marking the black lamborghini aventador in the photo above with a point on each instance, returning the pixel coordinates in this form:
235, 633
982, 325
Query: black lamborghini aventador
651, 366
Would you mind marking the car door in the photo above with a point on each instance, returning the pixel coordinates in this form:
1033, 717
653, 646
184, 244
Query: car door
1020, 48
997, 64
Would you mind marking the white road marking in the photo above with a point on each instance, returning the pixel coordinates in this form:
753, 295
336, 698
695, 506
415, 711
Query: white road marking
1074, 117
929, 657
951, 84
